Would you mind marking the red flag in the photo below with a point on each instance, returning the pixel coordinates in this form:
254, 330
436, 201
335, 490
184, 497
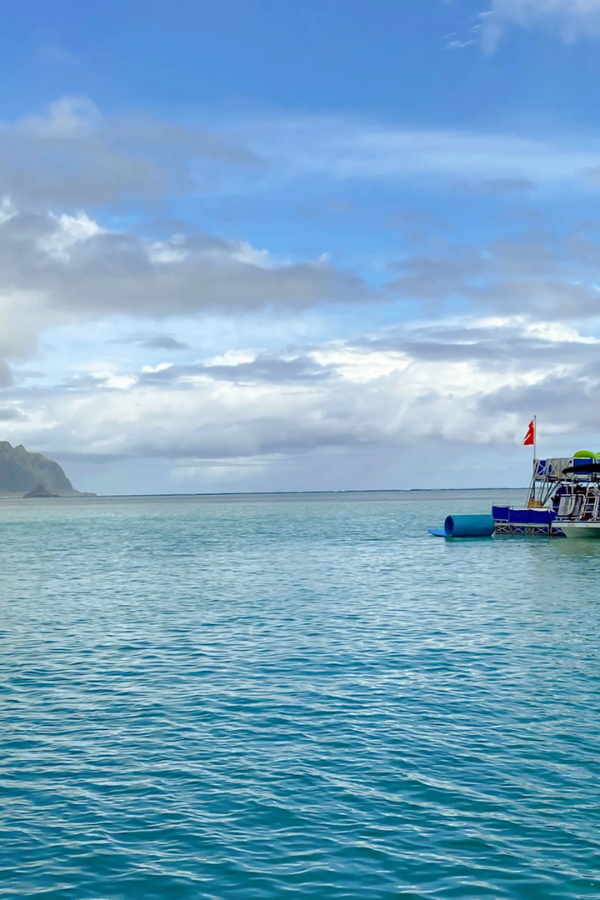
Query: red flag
530, 436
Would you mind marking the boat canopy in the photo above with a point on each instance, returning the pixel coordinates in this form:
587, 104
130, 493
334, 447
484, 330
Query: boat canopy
551, 469
557, 468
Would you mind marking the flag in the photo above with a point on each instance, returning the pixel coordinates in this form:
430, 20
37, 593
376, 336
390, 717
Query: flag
530, 436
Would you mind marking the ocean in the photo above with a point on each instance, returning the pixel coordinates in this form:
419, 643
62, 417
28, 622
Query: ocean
294, 696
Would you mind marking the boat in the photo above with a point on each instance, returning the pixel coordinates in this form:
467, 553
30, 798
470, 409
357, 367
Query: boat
563, 500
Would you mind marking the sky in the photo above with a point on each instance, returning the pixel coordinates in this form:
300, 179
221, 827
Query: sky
250, 245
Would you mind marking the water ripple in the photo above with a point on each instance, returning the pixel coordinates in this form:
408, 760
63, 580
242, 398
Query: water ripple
269, 698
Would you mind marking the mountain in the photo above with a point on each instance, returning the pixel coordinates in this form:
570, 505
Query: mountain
22, 472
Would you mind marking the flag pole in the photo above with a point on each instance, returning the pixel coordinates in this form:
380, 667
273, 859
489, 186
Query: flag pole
534, 456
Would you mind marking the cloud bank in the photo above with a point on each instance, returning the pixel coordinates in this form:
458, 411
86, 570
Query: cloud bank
442, 341
457, 380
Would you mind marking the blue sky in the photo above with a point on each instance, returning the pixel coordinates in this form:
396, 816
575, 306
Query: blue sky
266, 246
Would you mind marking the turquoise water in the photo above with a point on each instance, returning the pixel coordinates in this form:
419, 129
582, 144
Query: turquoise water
263, 698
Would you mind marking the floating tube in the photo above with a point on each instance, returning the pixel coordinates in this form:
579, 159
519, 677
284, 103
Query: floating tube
469, 526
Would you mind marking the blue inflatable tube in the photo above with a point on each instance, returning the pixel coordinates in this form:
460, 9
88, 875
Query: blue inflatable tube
469, 526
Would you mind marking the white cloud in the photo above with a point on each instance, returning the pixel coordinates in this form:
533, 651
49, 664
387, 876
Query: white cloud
572, 19
58, 242
56, 269
236, 397
413, 383
71, 156
436, 381
486, 162
227, 419
71, 118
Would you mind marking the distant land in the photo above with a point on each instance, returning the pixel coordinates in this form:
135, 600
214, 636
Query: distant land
23, 473
442, 490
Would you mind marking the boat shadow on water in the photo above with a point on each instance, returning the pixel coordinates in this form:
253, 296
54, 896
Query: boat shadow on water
581, 547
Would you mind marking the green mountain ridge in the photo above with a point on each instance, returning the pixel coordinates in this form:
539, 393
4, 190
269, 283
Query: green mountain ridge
22, 472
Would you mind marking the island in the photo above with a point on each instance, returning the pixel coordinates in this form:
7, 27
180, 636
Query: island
32, 475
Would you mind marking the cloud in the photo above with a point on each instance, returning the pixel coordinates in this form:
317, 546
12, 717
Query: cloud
441, 277
164, 342
11, 414
327, 211
262, 368
65, 270
572, 19
419, 382
513, 321
345, 149
468, 380
566, 402
72, 156
498, 187
416, 224
153, 342
58, 269
514, 344
542, 275
6, 377
454, 43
